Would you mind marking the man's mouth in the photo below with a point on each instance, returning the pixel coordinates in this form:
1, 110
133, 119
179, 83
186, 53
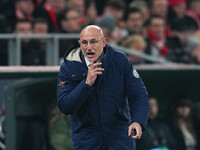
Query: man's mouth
90, 54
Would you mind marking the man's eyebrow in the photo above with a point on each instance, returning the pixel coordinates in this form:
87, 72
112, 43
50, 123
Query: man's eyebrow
89, 40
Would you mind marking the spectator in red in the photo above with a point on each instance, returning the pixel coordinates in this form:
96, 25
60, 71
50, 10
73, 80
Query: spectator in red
156, 36
24, 9
194, 10
48, 10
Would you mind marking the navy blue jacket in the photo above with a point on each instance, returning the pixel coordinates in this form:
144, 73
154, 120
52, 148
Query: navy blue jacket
100, 115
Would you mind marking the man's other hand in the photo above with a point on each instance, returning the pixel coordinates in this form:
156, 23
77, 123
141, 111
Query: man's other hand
137, 128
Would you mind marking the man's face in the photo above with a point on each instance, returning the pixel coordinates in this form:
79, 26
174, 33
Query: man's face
71, 24
153, 112
23, 28
180, 9
160, 7
92, 43
25, 6
158, 27
78, 4
135, 22
40, 28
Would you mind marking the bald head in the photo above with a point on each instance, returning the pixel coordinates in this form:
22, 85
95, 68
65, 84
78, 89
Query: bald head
92, 42
91, 30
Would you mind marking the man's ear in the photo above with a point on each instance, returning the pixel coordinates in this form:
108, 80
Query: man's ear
104, 42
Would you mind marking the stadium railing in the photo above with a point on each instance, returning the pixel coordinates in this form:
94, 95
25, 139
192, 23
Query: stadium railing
52, 48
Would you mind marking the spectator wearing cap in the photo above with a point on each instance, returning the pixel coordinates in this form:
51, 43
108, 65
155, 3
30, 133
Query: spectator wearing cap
49, 10
108, 24
177, 11
194, 10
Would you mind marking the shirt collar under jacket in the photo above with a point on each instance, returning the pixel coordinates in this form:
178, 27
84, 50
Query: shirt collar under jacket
87, 61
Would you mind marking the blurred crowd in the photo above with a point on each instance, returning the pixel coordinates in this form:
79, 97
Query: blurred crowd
169, 29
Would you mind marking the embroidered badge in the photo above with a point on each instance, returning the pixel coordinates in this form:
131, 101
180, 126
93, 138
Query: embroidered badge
135, 73
61, 84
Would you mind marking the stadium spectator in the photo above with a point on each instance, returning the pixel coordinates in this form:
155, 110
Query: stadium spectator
23, 26
157, 134
158, 7
108, 25
24, 9
142, 6
177, 43
49, 10
194, 10
115, 8
31, 54
157, 34
135, 43
79, 5
90, 13
177, 11
182, 125
68, 22
40, 26
134, 21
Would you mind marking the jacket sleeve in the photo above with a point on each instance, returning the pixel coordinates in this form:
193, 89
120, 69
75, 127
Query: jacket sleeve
70, 95
137, 95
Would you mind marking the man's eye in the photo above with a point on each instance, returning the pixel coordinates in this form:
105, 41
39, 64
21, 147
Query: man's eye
92, 41
84, 42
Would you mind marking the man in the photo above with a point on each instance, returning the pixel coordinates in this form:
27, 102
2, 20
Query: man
49, 10
95, 86
68, 22
115, 8
157, 133
134, 21
159, 7
78, 5
157, 34
24, 9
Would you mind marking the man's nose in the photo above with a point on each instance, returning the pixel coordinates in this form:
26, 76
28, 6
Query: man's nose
89, 46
